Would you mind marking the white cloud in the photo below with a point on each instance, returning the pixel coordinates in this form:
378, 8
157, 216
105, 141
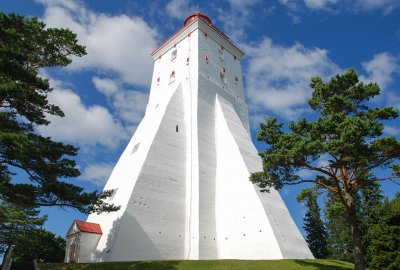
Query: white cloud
386, 5
319, 4
97, 174
305, 174
393, 100
243, 3
105, 86
295, 6
130, 105
380, 69
278, 77
179, 9
119, 44
82, 125
236, 17
391, 131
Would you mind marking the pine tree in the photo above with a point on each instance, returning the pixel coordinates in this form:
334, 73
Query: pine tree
32, 166
338, 230
349, 131
313, 225
14, 222
383, 248
369, 212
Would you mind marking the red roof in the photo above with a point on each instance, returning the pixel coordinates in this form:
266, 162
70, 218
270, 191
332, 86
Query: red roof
189, 20
196, 15
88, 227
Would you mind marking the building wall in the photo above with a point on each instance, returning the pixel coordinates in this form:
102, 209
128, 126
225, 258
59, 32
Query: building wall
182, 181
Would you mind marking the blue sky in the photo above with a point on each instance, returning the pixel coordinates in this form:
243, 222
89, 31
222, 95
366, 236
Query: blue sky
104, 94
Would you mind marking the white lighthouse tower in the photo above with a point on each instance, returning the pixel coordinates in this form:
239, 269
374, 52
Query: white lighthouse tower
183, 180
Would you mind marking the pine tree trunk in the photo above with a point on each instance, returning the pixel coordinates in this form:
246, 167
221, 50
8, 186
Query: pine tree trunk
7, 259
356, 236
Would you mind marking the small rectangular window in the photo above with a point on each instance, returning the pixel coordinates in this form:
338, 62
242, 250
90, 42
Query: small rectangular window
135, 148
174, 54
176, 128
222, 76
221, 54
171, 78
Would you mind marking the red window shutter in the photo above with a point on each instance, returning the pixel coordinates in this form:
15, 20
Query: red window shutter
173, 73
174, 45
158, 79
187, 59
206, 57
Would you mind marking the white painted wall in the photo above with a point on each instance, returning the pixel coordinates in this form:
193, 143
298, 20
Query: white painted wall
183, 193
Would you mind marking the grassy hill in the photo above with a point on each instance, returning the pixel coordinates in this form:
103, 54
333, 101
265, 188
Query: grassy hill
206, 265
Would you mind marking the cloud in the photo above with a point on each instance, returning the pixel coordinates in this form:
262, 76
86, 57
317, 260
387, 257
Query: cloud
386, 5
236, 17
128, 104
239, 4
119, 44
380, 69
391, 131
82, 125
278, 76
105, 86
393, 100
179, 9
319, 4
295, 7
97, 174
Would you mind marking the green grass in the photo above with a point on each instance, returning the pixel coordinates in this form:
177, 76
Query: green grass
206, 265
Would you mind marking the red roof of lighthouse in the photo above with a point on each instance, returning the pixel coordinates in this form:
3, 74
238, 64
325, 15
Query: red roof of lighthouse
88, 227
189, 20
195, 16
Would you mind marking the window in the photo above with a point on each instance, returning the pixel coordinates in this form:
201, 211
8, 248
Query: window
172, 77
222, 75
221, 54
177, 128
174, 54
135, 148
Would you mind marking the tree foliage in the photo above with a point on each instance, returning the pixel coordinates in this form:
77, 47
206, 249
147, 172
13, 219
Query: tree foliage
347, 135
313, 225
26, 47
339, 242
16, 220
40, 245
384, 238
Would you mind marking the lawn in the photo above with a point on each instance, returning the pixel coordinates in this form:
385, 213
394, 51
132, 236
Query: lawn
206, 265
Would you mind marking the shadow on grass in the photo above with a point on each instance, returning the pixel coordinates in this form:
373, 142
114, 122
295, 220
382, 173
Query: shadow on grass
322, 266
155, 265
138, 265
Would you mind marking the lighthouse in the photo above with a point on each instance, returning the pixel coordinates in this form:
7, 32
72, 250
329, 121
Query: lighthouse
183, 180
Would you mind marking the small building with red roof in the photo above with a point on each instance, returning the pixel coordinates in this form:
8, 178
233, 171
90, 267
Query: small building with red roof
82, 239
